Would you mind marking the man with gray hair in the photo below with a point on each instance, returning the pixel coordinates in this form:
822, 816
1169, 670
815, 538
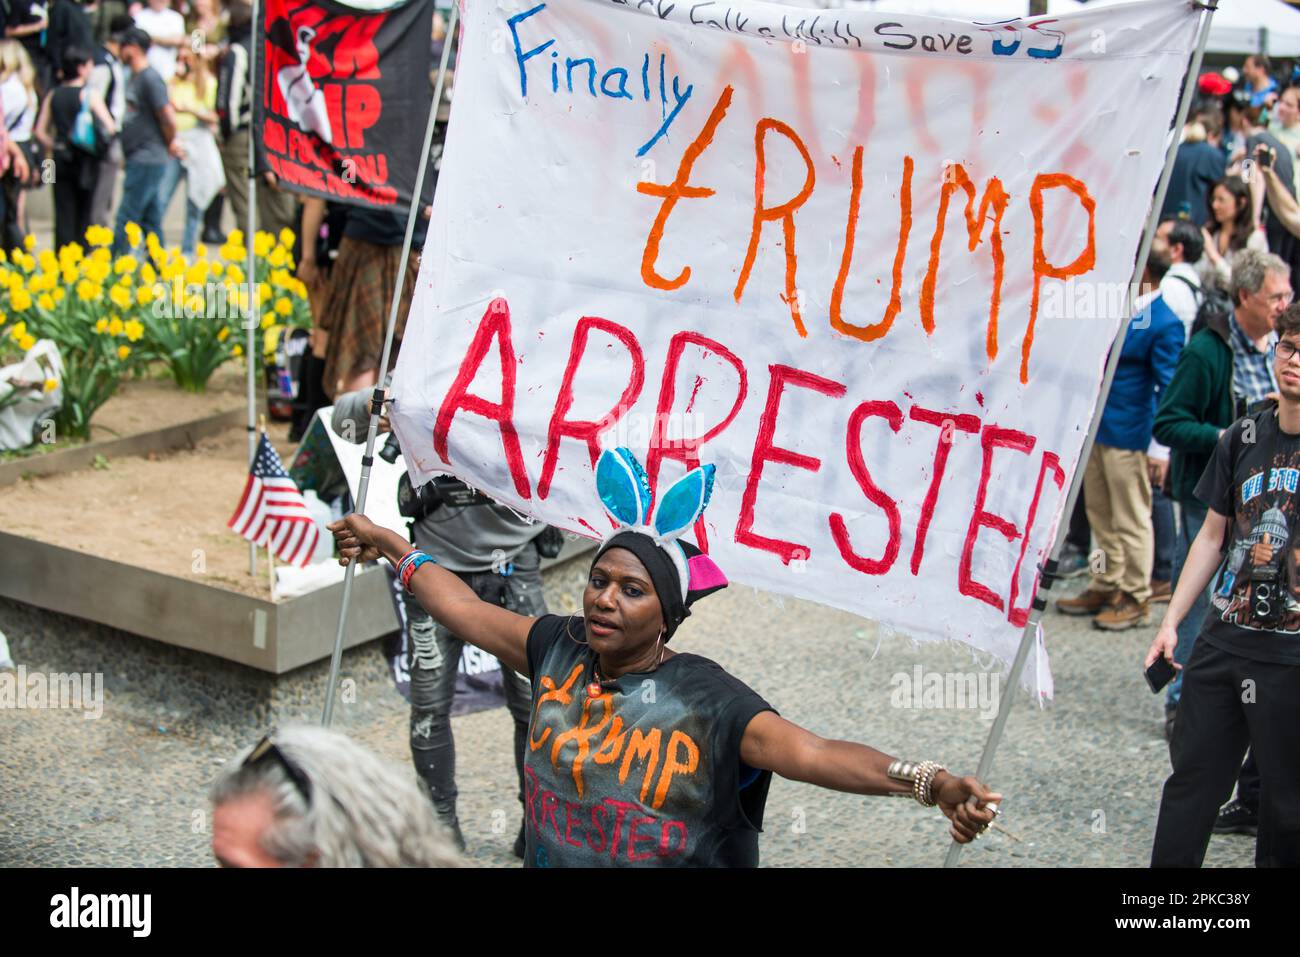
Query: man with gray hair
309, 797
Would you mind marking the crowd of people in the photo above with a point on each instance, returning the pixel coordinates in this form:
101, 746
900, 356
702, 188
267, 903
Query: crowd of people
111, 105
1168, 491
136, 99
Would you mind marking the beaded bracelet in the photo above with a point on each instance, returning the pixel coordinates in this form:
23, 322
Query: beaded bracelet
408, 566
401, 563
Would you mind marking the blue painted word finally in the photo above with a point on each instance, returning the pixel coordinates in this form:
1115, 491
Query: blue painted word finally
615, 83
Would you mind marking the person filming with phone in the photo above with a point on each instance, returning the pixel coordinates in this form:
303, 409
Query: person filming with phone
1241, 685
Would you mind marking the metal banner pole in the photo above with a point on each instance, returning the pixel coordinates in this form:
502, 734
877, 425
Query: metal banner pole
1027, 639
250, 283
377, 398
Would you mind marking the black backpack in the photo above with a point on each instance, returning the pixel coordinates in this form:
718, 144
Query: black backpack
1211, 303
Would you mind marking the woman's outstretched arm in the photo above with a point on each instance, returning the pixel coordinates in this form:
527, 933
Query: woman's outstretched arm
775, 744
441, 593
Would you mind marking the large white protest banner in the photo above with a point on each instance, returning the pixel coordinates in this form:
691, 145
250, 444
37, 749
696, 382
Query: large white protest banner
869, 265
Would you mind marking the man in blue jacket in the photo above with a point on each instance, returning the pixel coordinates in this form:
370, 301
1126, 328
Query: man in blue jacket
1116, 483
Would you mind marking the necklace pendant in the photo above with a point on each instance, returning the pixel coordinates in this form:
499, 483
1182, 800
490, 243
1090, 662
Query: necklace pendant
593, 690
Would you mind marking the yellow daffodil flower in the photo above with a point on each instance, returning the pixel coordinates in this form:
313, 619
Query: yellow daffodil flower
29, 242
51, 385
277, 257
101, 325
133, 234
115, 326
20, 299
99, 236
123, 351
283, 306
134, 330
144, 295
27, 342
287, 237
45, 301
224, 334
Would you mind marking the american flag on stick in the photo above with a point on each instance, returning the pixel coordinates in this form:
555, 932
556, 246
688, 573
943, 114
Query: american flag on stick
272, 513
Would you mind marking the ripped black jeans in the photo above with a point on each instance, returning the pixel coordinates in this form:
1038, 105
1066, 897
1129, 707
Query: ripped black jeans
435, 656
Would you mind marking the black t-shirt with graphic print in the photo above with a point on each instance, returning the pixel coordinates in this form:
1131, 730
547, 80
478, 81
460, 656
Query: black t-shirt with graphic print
1255, 599
645, 773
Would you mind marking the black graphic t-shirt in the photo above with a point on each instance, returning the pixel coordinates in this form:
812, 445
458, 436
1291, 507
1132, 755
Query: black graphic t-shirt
1255, 600
646, 772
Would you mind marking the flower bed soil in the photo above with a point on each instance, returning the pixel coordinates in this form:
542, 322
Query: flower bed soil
166, 512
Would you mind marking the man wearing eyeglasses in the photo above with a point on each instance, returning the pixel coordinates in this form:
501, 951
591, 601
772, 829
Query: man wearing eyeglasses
1241, 684
1225, 371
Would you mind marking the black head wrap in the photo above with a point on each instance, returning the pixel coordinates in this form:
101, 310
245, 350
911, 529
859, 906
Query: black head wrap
664, 575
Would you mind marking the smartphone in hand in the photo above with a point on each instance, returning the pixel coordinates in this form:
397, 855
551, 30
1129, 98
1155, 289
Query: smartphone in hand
1159, 674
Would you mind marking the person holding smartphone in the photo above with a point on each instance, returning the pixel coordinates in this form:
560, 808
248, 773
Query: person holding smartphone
1241, 685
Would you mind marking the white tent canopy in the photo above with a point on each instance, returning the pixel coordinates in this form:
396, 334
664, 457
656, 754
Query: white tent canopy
1240, 26
1250, 26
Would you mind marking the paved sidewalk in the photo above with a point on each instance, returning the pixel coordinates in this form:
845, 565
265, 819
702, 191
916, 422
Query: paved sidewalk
1082, 776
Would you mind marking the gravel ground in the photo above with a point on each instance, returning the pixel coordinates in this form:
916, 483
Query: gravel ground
1081, 776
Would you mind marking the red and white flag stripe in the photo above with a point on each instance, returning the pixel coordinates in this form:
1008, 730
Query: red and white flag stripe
272, 514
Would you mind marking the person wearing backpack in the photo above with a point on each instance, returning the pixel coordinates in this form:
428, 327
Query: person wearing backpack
76, 161
1116, 481
108, 78
1241, 684
1178, 246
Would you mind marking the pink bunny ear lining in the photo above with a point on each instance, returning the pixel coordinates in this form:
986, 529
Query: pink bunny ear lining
705, 574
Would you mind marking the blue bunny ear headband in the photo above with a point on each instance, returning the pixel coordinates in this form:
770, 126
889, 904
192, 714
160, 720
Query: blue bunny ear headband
681, 572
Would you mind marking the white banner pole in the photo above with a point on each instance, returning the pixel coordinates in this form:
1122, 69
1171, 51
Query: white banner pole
250, 284
377, 398
1027, 639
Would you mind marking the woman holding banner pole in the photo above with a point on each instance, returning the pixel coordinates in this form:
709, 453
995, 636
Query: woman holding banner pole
640, 756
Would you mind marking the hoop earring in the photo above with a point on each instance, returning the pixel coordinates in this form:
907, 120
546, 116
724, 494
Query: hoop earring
569, 632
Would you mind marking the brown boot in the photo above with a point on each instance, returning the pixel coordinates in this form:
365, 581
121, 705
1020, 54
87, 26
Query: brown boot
1125, 613
1161, 592
1090, 602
